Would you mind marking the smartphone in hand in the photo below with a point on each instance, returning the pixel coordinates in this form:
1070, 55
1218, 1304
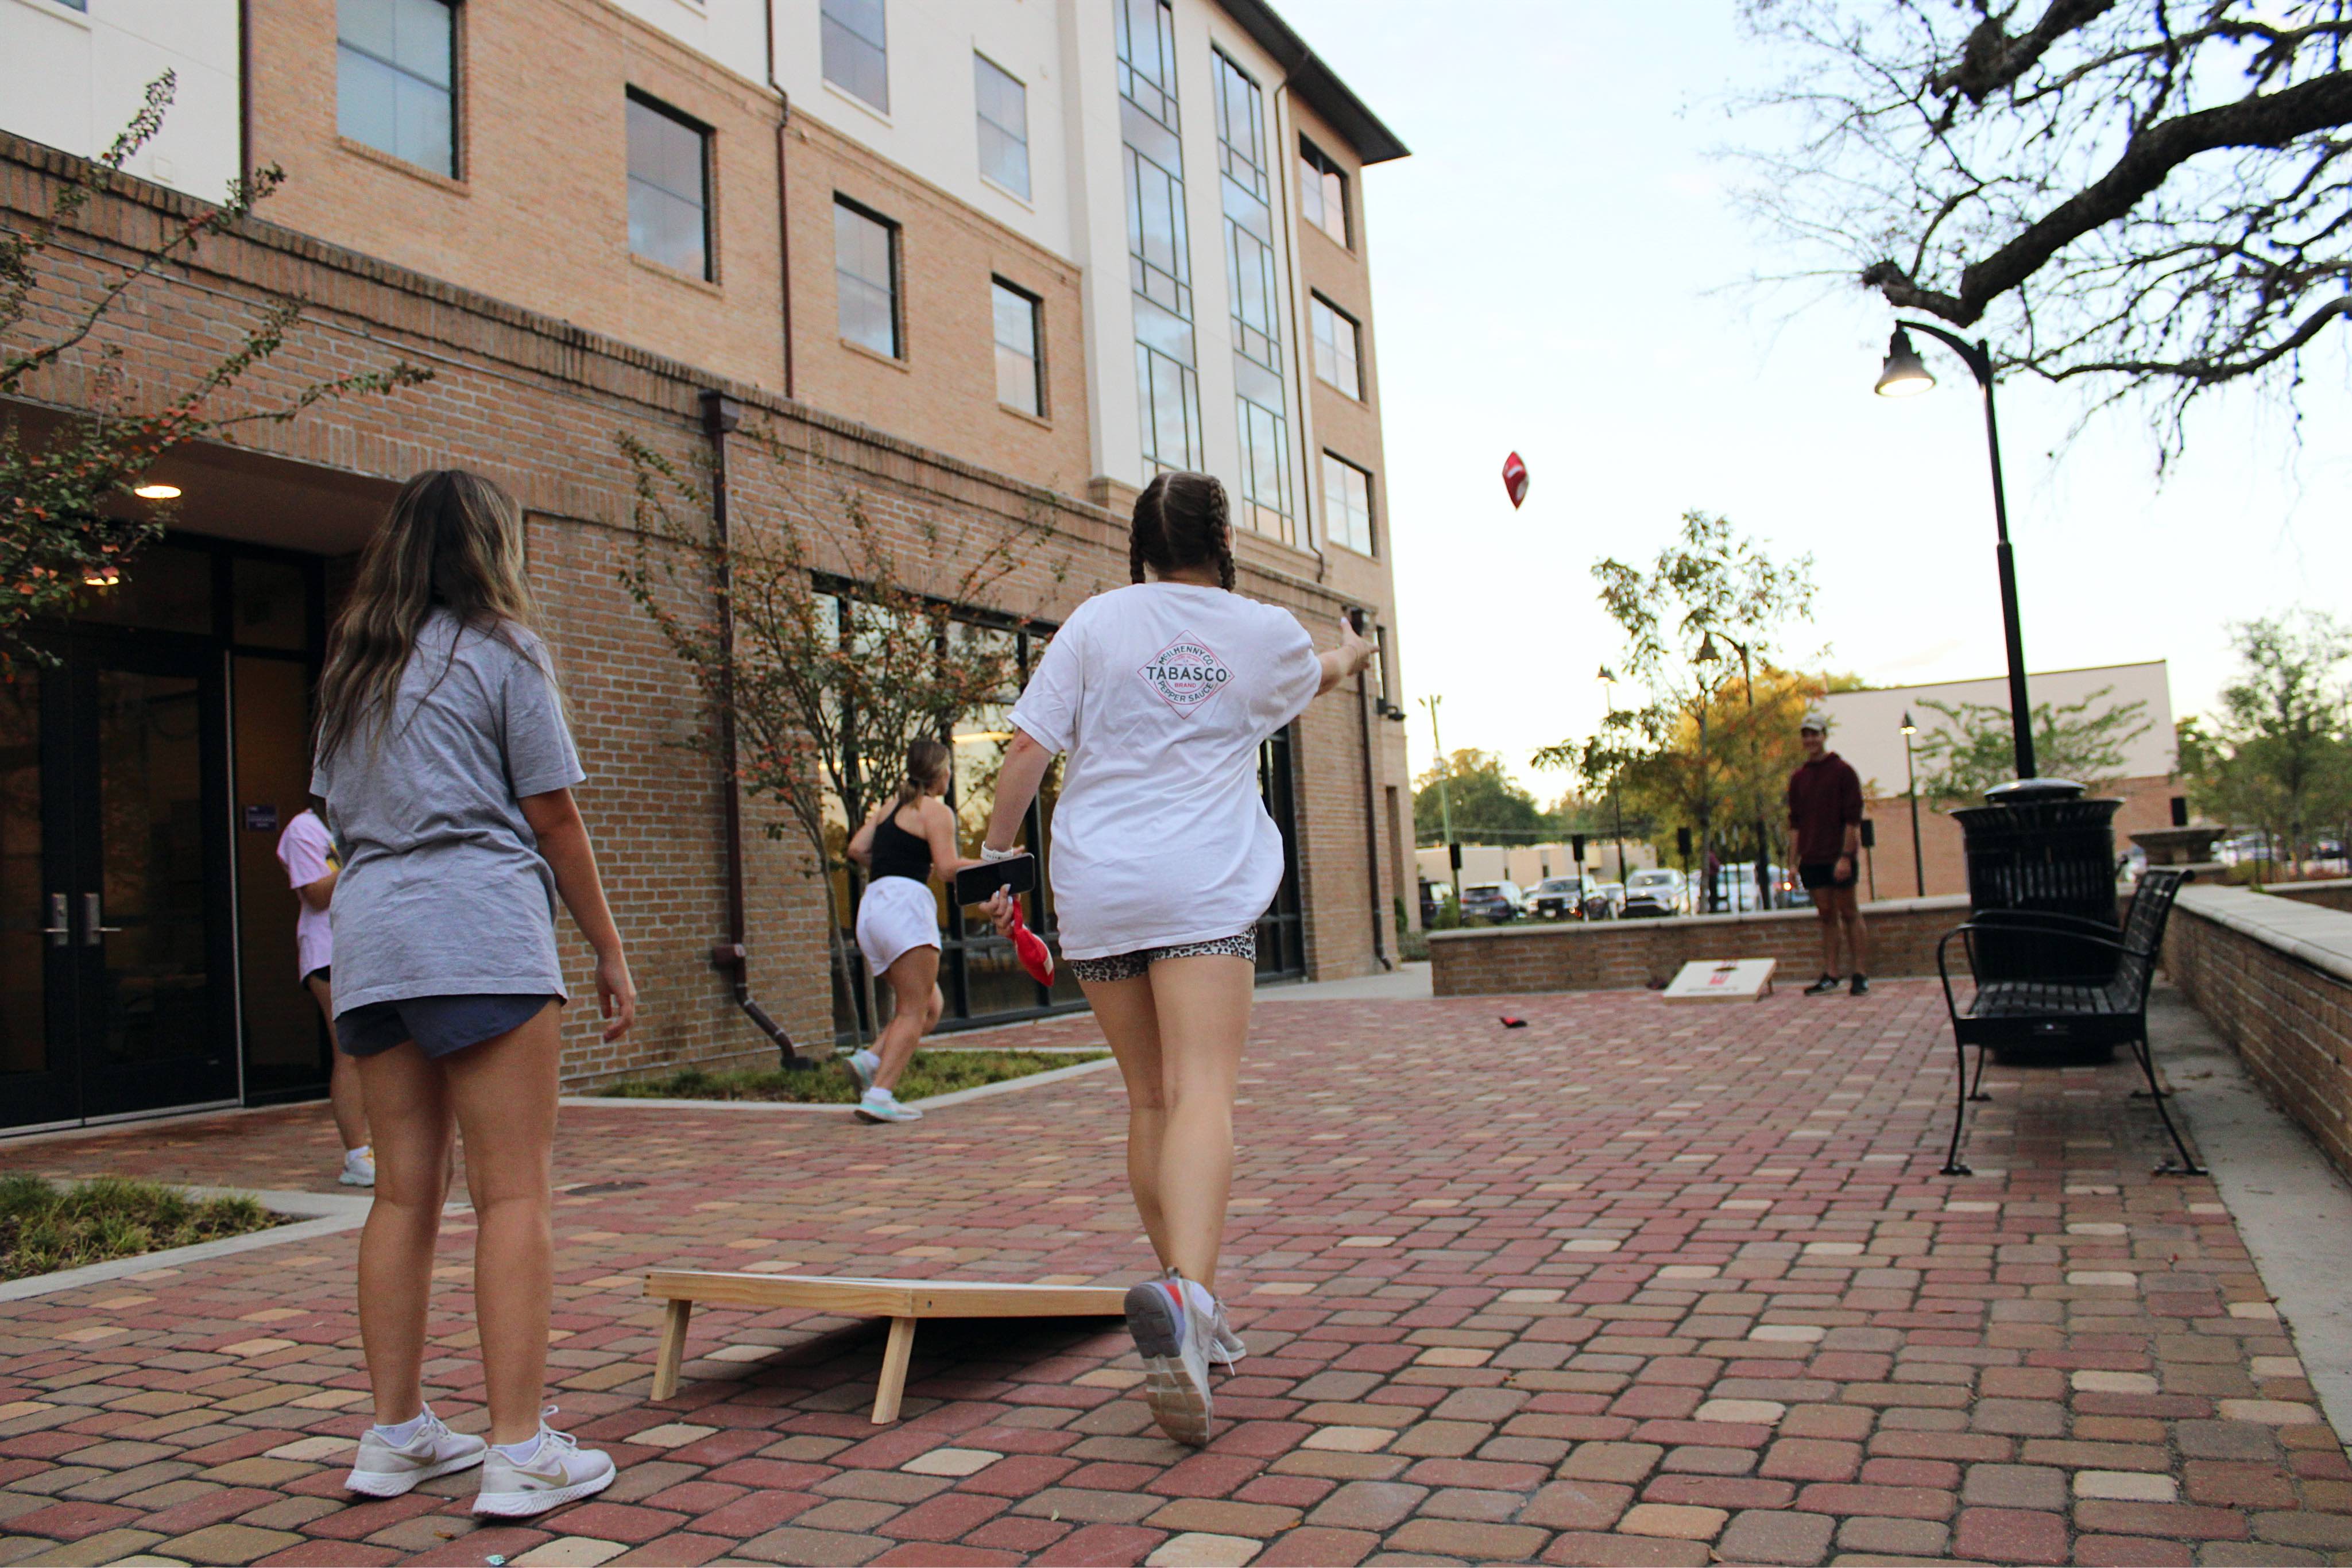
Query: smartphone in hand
978, 883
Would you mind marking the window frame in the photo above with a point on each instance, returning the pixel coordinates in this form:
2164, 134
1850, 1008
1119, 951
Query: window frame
1036, 303
455, 169
896, 233
980, 61
880, 46
1370, 548
706, 138
1318, 305
1325, 166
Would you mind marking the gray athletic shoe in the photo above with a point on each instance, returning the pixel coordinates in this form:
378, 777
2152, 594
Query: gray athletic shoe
865, 1065
385, 1470
559, 1470
881, 1105
1172, 1336
1224, 1342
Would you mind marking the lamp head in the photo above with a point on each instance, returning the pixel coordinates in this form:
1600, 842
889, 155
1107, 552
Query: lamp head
1706, 654
1909, 727
1904, 374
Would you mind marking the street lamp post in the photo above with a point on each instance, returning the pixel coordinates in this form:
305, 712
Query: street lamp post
1444, 805
1911, 787
1903, 375
1616, 801
1705, 656
1756, 771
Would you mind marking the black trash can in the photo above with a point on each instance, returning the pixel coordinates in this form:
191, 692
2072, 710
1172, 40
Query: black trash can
2038, 844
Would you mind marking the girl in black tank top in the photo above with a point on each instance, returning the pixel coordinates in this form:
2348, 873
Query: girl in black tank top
898, 921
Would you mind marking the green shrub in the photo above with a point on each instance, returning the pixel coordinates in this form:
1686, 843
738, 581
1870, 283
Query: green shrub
44, 1227
832, 1083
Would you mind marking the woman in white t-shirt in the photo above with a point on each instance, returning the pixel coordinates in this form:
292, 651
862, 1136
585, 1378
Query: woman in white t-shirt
1164, 859
306, 850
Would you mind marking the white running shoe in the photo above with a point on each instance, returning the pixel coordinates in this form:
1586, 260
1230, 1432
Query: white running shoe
558, 1471
384, 1470
865, 1065
1172, 1335
359, 1166
1224, 1342
881, 1105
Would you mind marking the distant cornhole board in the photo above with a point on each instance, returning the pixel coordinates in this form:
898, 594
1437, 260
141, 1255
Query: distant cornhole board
903, 1301
1723, 980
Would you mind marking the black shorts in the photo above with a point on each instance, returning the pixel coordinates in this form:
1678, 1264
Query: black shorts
1821, 873
439, 1025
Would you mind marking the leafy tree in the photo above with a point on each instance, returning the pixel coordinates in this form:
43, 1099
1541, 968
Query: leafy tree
1488, 805
67, 521
1975, 747
2144, 193
841, 650
2278, 756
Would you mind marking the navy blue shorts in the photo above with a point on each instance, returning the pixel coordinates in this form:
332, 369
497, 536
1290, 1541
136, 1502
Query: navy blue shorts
441, 1026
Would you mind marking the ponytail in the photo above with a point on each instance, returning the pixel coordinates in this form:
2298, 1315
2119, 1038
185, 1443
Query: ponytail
1181, 520
927, 763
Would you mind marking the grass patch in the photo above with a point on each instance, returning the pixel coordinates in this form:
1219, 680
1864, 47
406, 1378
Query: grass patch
832, 1083
44, 1227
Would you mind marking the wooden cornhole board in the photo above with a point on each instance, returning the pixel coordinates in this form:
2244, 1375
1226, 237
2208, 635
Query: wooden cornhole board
1723, 980
903, 1301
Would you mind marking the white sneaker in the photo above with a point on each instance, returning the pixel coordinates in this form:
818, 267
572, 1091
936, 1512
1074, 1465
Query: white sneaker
359, 1166
1172, 1335
865, 1065
385, 1470
881, 1105
558, 1471
1224, 1342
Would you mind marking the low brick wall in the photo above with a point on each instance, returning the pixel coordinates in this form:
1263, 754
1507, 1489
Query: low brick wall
2334, 894
1619, 955
2273, 976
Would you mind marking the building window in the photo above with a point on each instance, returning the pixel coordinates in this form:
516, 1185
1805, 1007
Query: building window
669, 188
1160, 269
857, 59
1003, 126
395, 79
1346, 504
1336, 347
866, 272
1263, 494
1020, 340
1322, 191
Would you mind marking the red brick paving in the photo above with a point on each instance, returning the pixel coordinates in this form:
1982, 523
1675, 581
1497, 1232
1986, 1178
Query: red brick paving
1625, 1286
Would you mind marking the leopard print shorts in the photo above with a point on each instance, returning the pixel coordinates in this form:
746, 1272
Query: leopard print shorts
1127, 966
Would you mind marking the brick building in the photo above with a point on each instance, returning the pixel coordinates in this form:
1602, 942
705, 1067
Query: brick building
1867, 729
968, 261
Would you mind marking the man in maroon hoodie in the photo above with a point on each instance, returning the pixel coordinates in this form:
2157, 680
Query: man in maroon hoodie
1825, 810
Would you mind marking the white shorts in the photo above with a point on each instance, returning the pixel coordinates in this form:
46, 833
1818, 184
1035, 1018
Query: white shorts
897, 915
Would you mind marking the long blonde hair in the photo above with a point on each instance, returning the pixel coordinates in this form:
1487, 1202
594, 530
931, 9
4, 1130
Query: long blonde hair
454, 539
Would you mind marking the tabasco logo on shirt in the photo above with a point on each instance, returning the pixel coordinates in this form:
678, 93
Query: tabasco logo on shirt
1185, 673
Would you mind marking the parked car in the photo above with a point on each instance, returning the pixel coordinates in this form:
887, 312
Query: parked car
1602, 900
1495, 901
1661, 890
1735, 888
1557, 898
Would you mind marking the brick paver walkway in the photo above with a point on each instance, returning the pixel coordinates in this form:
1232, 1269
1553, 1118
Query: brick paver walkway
1629, 1285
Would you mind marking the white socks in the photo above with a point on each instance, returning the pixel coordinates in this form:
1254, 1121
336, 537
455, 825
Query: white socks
520, 1452
400, 1436
1199, 1295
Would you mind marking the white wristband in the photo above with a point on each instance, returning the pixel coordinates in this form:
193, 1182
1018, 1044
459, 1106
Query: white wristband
990, 856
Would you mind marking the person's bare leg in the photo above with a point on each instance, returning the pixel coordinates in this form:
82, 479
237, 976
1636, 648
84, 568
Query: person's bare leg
1125, 1011
503, 1092
1857, 937
343, 1094
1203, 1008
411, 1102
914, 990
1826, 911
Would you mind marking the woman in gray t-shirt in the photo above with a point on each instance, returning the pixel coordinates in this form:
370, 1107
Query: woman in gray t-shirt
444, 766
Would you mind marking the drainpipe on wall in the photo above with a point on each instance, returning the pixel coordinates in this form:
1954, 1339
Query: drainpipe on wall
1371, 814
244, 89
732, 956
783, 206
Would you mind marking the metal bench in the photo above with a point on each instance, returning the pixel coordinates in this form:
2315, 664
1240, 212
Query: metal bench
2106, 1007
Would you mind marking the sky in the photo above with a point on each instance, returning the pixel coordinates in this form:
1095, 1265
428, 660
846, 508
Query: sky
1559, 269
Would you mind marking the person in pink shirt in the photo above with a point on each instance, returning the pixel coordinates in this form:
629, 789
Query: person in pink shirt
307, 853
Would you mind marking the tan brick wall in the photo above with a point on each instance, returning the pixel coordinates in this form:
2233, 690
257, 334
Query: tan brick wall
1616, 955
2146, 803
2290, 1022
535, 403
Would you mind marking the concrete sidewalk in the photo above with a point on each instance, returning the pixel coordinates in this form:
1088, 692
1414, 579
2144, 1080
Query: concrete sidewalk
1628, 1285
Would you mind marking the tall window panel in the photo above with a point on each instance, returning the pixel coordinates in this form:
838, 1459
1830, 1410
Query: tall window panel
669, 187
395, 79
1346, 504
1020, 342
1322, 191
1247, 187
1335, 346
1003, 125
1160, 270
856, 53
865, 277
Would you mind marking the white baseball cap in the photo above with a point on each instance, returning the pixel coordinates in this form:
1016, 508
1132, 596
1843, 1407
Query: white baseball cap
1814, 720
